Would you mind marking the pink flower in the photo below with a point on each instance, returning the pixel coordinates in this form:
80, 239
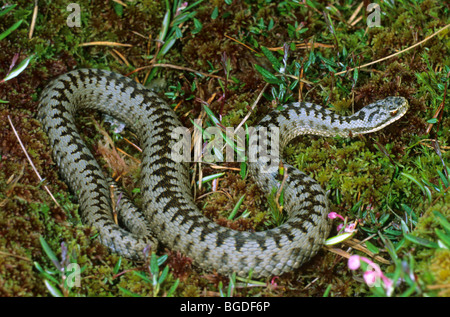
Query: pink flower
354, 262
273, 283
334, 215
370, 277
373, 274
350, 228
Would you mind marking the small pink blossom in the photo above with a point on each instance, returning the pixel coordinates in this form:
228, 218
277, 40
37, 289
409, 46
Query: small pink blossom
273, 283
354, 262
334, 215
350, 228
372, 275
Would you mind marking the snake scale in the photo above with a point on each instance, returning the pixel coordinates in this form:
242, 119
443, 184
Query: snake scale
169, 212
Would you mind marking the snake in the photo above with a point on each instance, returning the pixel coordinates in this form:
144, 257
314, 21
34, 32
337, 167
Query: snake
168, 214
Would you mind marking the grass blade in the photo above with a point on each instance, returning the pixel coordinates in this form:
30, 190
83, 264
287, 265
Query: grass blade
236, 208
10, 30
53, 289
444, 238
442, 220
210, 178
50, 253
7, 9
421, 241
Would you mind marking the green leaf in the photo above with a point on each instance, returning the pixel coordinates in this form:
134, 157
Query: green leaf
53, 289
130, 293
444, 238
45, 273
339, 238
268, 76
198, 26
400, 244
183, 17
50, 253
232, 284
423, 188
421, 241
409, 211
18, 69
167, 46
173, 288
442, 220
162, 259
143, 276
154, 268
118, 9
117, 266
311, 4
444, 179
211, 115
433, 120
210, 178
193, 5
275, 62
163, 275
215, 13
389, 246
165, 26
372, 248
243, 171
355, 76
10, 30
383, 219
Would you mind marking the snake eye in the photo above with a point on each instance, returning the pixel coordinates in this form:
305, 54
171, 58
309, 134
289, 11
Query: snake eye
393, 113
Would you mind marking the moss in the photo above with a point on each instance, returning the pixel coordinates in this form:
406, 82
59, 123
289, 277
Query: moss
439, 266
433, 264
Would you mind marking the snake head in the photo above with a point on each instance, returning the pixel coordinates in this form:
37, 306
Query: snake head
377, 115
396, 106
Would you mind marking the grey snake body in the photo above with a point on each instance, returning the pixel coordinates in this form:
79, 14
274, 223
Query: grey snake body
169, 214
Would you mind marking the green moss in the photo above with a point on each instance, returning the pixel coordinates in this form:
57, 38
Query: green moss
440, 268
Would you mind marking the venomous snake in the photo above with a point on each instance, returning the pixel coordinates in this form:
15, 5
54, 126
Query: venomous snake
169, 212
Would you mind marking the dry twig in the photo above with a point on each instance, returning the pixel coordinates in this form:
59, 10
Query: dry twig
31, 162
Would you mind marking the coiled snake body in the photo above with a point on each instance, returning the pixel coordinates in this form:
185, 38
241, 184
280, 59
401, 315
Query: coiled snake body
168, 210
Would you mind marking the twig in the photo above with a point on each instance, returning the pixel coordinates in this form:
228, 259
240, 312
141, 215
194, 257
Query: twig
175, 67
123, 58
355, 13
130, 156
105, 43
392, 55
113, 202
355, 244
31, 162
14, 256
33, 19
303, 46
241, 43
253, 107
120, 2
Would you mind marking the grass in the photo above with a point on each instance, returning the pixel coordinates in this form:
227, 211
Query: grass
225, 55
